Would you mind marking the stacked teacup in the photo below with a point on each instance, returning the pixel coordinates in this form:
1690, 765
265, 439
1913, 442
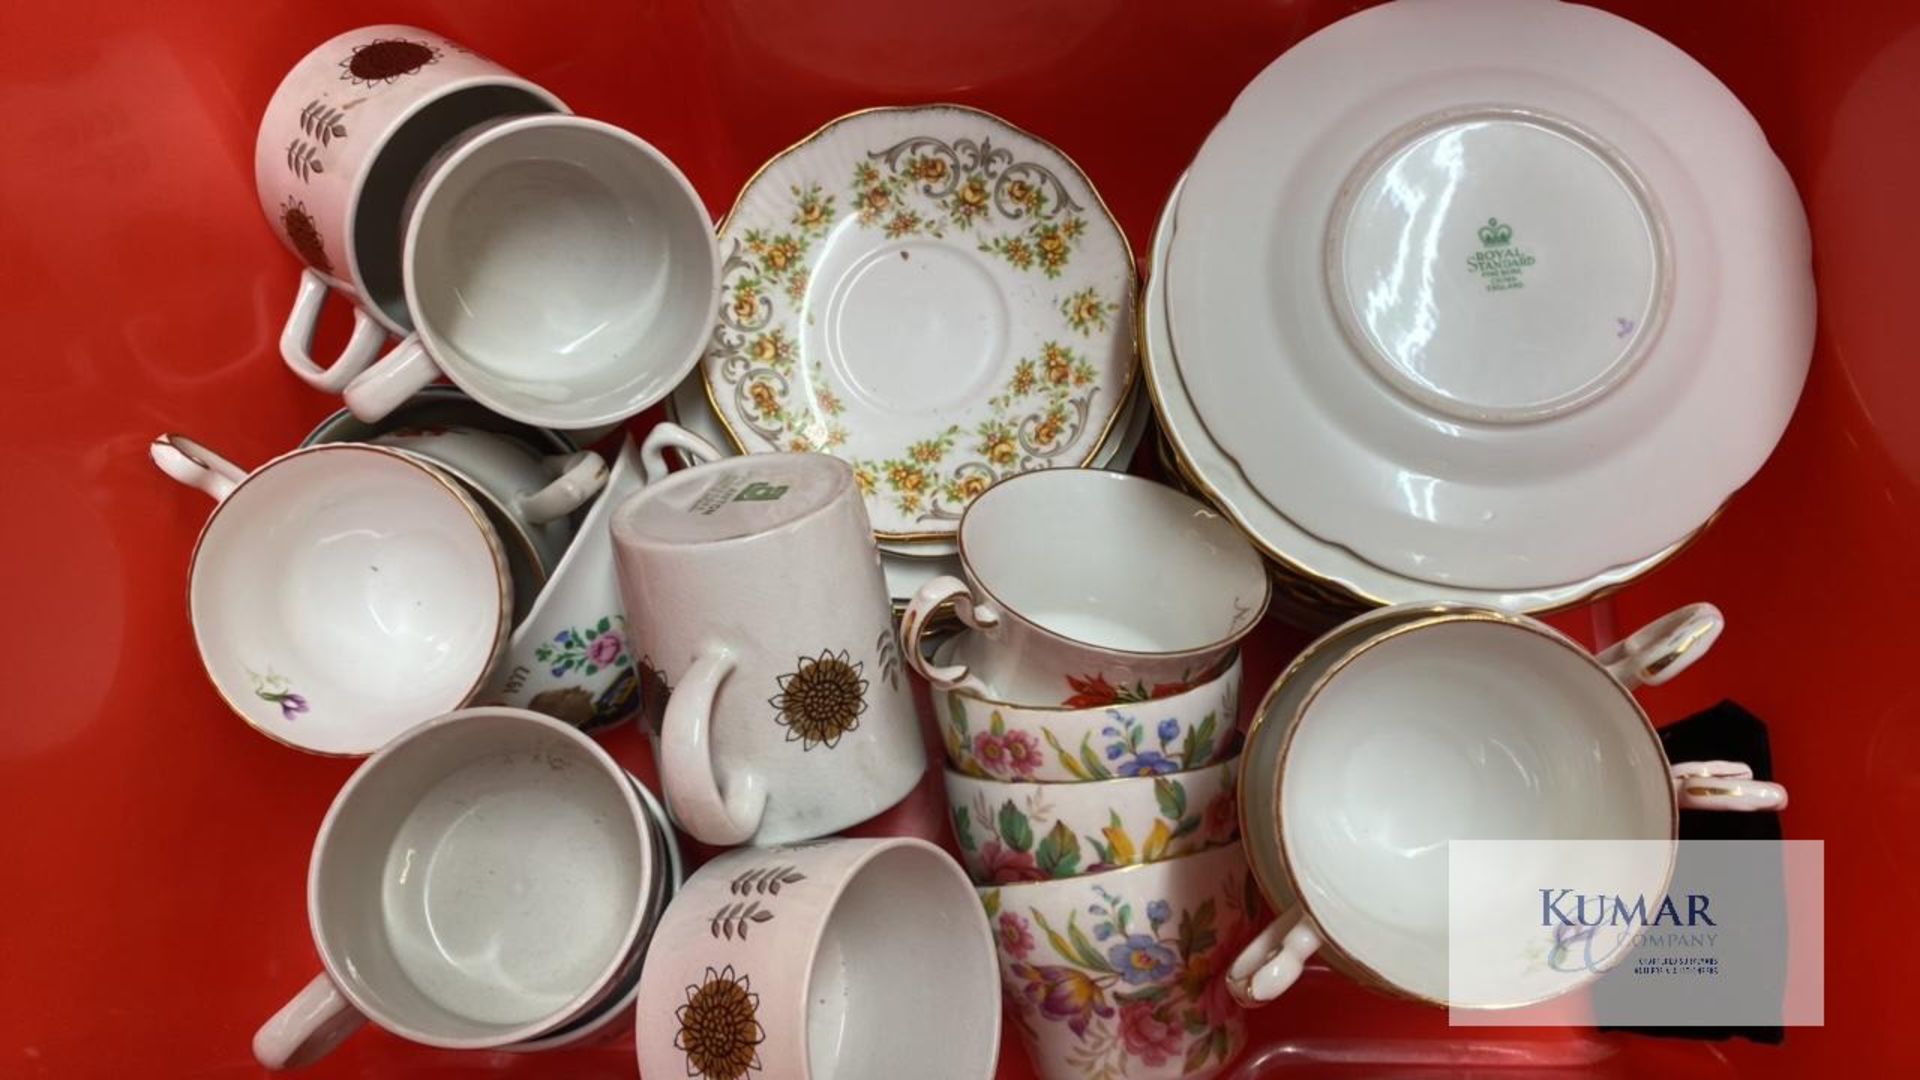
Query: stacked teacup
1088, 710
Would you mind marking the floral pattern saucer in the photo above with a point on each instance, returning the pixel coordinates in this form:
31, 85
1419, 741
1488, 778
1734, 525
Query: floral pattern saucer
934, 296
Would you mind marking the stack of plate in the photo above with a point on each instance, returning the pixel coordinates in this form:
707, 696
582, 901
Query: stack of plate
1501, 332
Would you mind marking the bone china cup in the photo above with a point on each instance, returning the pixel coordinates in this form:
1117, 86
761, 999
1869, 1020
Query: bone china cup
1122, 973
753, 588
559, 270
1108, 737
478, 883
341, 594
1477, 725
841, 959
1082, 578
348, 132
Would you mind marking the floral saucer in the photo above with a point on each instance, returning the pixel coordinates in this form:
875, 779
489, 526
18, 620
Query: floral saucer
930, 294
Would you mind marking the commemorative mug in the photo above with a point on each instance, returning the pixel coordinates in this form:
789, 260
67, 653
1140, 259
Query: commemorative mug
345, 137
342, 593
1480, 725
753, 588
1083, 582
794, 962
485, 880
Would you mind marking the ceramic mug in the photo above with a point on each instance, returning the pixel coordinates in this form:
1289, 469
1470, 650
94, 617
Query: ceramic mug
559, 270
753, 586
569, 657
480, 882
1010, 832
1122, 973
345, 137
1482, 725
341, 594
837, 959
1084, 581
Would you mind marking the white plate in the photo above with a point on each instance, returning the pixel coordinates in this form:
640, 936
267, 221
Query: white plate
1280, 539
930, 294
1523, 295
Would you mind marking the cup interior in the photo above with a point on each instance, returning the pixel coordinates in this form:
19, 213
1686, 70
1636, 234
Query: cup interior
904, 978
1113, 561
344, 593
481, 881
379, 222
561, 265
1461, 729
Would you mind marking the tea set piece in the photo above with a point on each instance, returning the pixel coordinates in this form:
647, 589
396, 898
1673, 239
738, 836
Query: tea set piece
1600, 337
1121, 973
753, 588
1324, 576
1025, 831
346, 135
850, 959
569, 657
341, 594
1079, 577
1107, 733
1495, 727
539, 495
931, 294
482, 881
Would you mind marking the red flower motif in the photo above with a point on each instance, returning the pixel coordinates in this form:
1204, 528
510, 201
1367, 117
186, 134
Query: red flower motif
1016, 937
1022, 752
1061, 993
1004, 866
1094, 691
1221, 820
991, 750
1148, 1037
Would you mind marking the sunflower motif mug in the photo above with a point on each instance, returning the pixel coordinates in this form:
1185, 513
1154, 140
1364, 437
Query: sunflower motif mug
753, 587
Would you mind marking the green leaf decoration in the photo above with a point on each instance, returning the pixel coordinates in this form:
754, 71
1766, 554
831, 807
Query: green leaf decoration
1198, 1051
1187, 826
963, 828
1172, 797
1059, 853
1067, 761
997, 724
1014, 830
957, 715
1199, 743
991, 898
602, 626
1089, 956
1089, 760
1222, 1043
1196, 929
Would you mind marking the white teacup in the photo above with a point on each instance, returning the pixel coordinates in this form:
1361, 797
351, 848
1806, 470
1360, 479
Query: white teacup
559, 270
341, 594
348, 132
832, 960
1079, 578
481, 882
1478, 725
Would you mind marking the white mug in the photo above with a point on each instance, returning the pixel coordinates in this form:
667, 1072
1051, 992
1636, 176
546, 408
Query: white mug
484, 881
1478, 724
344, 139
753, 586
559, 270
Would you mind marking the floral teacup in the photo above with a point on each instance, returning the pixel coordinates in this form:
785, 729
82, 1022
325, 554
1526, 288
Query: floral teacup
1124, 736
1122, 974
1032, 832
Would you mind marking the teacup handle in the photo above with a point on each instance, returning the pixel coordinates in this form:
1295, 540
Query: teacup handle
1724, 785
307, 1028
296, 339
579, 477
653, 457
913, 627
195, 465
1664, 647
385, 386
1272, 962
708, 814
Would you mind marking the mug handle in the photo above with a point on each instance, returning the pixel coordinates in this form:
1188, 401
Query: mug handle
578, 478
653, 460
1272, 962
195, 465
385, 386
1724, 785
913, 626
296, 339
307, 1028
708, 814
1665, 647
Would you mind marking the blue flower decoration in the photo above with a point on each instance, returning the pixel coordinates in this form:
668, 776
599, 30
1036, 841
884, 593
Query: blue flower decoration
1140, 959
1114, 750
1103, 931
1169, 729
1159, 911
1147, 763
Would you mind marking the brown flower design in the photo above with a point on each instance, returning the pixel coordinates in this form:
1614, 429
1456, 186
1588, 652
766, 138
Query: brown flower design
820, 701
304, 235
382, 61
720, 1030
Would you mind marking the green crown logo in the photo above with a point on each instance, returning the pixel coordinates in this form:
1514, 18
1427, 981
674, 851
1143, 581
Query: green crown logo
1494, 234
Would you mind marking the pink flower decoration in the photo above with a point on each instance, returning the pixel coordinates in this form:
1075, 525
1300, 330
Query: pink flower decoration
1022, 752
1003, 865
1146, 1036
606, 648
991, 750
1016, 937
